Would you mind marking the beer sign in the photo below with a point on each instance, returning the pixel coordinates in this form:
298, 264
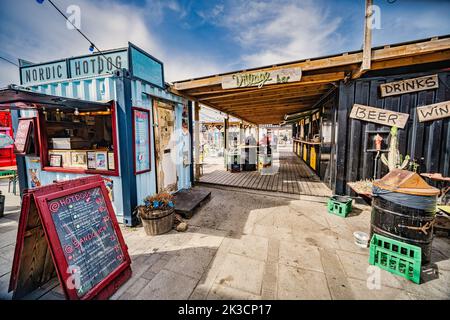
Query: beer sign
380, 116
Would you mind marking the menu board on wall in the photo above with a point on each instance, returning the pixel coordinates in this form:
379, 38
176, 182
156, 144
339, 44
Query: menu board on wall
141, 134
22, 139
79, 237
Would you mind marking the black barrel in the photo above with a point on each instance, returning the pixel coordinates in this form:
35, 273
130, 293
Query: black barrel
402, 223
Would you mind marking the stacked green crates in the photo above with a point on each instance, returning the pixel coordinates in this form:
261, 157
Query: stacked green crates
396, 257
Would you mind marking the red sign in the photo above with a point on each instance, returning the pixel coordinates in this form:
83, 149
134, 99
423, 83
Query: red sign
22, 139
70, 227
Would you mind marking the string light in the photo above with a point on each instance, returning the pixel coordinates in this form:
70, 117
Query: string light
92, 46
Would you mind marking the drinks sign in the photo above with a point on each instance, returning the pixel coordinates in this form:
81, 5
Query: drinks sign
260, 79
409, 85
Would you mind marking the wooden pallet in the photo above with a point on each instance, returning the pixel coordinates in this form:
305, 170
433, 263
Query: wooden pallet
188, 201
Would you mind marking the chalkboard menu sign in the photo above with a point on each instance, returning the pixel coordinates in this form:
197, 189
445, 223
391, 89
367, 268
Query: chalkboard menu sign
141, 145
22, 138
87, 248
87, 236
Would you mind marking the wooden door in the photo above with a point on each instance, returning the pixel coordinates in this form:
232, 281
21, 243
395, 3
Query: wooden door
166, 170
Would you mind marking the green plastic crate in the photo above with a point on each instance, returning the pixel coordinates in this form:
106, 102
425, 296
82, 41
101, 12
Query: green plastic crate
339, 205
397, 257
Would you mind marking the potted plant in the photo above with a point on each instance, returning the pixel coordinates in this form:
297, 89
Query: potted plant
157, 213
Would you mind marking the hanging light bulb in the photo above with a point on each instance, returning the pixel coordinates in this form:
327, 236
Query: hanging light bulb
91, 48
76, 112
40, 1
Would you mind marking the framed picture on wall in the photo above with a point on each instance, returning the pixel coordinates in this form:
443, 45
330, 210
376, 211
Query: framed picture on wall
91, 160
141, 140
55, 160
111, 163
101, 160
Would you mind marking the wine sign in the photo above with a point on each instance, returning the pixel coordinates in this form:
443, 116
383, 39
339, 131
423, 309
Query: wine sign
82, 234
22, 141
434, 111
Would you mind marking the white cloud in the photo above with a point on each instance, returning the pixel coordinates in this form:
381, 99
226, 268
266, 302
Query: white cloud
279, 31
38, 33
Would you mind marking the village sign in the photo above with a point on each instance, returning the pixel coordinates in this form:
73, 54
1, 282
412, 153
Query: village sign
260, 79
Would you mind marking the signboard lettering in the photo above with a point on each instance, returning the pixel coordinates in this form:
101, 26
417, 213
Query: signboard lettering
377, 115
92, 65
434, 111
77, 224
87, 236
44, 73
98, 64
409, 85
260, 79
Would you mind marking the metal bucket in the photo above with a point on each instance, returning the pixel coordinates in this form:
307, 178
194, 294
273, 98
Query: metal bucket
398, 222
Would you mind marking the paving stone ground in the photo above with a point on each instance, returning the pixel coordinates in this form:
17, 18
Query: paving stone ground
244, 245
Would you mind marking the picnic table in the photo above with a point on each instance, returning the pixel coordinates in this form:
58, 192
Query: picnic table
10, 173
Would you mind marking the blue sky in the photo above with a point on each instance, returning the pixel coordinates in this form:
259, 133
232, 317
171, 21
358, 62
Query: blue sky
202, 37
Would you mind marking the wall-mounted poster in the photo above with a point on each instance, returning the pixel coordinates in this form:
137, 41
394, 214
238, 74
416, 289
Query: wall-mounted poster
101, 160
141, 134
91, 160
55, 160
111, 163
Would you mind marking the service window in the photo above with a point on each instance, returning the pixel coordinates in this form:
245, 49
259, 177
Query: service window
80, 141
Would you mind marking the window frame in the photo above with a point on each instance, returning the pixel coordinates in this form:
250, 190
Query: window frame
42, 128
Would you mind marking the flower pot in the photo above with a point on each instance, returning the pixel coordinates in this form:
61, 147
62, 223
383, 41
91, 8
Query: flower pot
157, 221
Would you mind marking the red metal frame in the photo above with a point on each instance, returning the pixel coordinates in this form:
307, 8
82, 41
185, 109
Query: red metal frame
134, 141
44, 150
57, 251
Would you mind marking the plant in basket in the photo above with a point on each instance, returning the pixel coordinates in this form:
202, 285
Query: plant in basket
157, 213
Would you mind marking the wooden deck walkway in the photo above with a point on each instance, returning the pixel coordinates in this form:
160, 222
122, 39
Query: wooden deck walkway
293, 176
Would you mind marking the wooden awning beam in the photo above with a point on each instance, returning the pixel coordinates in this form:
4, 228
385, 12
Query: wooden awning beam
380, 54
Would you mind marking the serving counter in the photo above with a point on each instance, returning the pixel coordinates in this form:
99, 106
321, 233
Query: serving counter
308, 151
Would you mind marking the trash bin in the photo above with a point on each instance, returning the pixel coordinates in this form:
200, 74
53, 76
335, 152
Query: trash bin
2, 205
403, 209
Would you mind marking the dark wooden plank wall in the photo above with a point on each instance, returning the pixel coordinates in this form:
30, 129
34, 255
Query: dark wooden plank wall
430, 140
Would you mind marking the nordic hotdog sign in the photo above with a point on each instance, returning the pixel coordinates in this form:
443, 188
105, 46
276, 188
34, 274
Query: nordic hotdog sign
78, 67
